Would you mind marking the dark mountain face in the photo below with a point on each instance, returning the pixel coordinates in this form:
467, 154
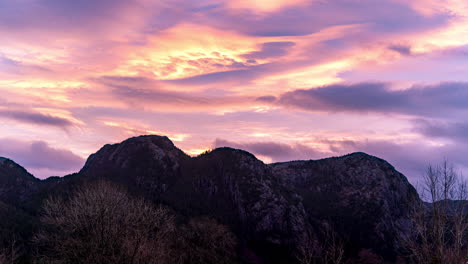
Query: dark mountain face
243, 192
228, 184
273, 209
364, 197
150, 163
16, 184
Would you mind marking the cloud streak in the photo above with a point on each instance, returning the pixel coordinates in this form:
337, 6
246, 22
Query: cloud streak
433, 100
35, 118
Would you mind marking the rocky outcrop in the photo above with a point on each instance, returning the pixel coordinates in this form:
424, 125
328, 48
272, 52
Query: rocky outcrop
364, 197
241, 190
152, 163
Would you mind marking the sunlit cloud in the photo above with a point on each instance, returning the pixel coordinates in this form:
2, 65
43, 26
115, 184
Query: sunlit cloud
264, 5
180, 52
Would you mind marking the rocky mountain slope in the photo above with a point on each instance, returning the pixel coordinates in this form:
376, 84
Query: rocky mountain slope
273, 208
16, 184
363, 197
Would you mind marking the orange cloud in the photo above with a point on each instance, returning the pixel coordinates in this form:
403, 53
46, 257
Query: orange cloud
188, 50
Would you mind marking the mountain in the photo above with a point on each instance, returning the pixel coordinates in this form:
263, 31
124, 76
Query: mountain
363, 196
274, 209
16, 184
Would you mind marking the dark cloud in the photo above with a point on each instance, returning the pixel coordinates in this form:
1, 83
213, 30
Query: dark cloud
271, 50
455, 131
440, 99
276, 151
267, 98
35, 118
39, 156
402, 49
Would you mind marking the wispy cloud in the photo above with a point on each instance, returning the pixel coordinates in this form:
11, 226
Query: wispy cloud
35, 118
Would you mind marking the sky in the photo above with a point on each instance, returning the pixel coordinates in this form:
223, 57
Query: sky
283, 79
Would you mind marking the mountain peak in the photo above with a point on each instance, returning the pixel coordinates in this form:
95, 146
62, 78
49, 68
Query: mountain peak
161, 141
139, 148
16, 183
6, 163
149, 160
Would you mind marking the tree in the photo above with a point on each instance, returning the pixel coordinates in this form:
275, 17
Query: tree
204, 241
440, 225
101, 223
330, 250
9, 255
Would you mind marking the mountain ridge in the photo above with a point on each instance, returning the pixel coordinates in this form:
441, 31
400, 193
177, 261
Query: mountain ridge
274, 208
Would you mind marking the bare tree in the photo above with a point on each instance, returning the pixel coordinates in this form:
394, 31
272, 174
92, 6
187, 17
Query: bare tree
440, 225
9, 255
204, 241
103, 224
330, 250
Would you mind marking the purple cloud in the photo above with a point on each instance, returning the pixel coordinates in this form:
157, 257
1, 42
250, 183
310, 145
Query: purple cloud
40, 158
274, 150
402, 49
19, 68
271, 50
35, 118
317, 15
455, 131
435, 100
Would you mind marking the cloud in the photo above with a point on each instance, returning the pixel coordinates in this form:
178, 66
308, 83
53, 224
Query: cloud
402, 49
266, 98
264, 5
430, 100
232, 76
454, 131
276, 152
271, 50
15, 67
35, 118
302, 20
128, 89
61, 14
38, 156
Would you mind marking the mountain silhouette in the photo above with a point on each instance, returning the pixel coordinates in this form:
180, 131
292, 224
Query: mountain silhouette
273, 209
